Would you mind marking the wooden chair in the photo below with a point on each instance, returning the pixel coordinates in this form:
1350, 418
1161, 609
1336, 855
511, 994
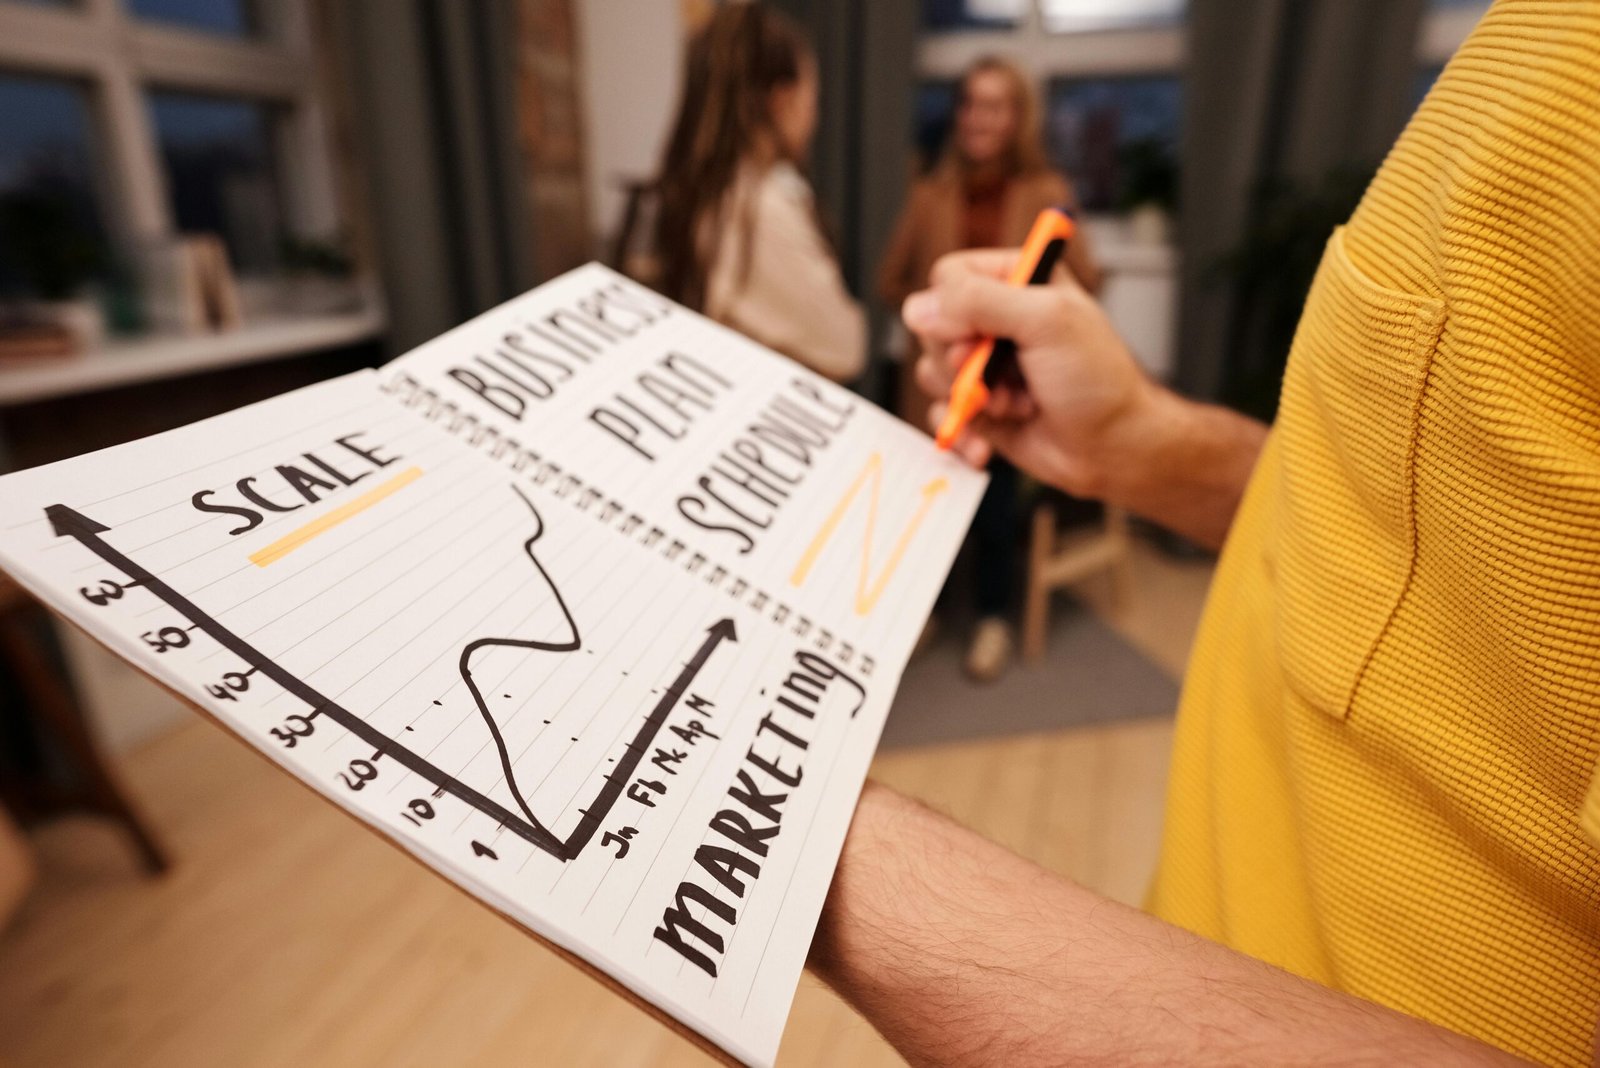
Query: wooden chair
1052, 565
58, 718
17, 869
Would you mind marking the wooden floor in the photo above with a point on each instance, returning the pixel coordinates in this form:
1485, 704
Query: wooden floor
287, 935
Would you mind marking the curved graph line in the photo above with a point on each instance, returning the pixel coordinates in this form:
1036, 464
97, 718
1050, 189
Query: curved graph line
568, 646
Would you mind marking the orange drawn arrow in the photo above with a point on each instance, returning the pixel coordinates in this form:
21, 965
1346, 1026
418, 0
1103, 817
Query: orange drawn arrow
868, 590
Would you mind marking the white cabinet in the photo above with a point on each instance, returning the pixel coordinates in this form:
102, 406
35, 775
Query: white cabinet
1141, 291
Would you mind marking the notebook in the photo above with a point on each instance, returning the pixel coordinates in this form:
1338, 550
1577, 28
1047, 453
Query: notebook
595, 607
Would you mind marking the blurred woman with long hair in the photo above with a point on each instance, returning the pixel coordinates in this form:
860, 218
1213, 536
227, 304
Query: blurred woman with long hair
737, 234
984, 193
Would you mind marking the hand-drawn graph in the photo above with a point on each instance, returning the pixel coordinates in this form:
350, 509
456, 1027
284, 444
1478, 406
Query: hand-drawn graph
92, 535
869, 590
569, 644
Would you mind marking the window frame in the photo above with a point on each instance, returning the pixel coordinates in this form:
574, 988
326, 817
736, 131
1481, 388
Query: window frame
118, 58
1145, 51
1045, 55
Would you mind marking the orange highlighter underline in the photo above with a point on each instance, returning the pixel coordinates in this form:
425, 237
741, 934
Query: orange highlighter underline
298, 537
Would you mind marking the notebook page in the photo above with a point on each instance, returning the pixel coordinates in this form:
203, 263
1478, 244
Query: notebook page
615, 747
832, 512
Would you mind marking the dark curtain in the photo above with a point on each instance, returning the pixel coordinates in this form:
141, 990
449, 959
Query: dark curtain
432, 90
864, 155
1290, 106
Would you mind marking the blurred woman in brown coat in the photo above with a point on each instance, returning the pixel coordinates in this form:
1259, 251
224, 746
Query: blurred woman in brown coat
985, 192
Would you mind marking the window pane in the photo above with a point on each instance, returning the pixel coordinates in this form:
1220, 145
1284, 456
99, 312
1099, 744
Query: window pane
221, 173
940, 15
1118, 139
52, 238
1073, 16
235, 18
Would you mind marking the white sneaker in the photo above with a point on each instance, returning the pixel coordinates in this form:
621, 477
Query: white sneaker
990, 650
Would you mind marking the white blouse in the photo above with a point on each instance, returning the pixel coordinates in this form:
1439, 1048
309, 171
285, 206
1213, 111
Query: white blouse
790, 295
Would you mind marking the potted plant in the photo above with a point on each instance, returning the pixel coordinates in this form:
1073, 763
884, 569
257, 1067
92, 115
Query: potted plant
55, 257
1149, 189
1271, 269
319, 277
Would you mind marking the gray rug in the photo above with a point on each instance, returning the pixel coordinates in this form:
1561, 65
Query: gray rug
1088, 675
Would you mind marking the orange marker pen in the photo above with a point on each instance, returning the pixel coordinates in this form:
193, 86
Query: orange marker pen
996, 357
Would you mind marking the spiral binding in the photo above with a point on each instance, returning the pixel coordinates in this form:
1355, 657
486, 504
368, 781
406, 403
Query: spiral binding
412, 393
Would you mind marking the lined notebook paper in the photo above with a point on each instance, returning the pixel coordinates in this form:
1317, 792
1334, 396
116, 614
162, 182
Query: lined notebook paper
594, 606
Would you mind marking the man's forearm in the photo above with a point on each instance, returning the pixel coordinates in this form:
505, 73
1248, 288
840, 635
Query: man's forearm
960, 953
1184, 465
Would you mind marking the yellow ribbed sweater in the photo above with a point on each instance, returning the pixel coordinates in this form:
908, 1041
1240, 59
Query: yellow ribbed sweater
1384, 775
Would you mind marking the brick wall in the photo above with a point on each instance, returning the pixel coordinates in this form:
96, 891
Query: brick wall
550, 132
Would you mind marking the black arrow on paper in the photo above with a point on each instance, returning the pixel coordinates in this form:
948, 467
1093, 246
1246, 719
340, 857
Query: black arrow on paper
70, 523
73, 524
716, 634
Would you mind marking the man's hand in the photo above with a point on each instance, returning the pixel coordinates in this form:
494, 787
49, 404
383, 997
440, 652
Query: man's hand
1085, 389
1090, 422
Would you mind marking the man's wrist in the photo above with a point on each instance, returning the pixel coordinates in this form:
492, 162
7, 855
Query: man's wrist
1136, 453
1181, 463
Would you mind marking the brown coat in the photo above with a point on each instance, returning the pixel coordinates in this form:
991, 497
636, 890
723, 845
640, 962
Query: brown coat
931, 226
